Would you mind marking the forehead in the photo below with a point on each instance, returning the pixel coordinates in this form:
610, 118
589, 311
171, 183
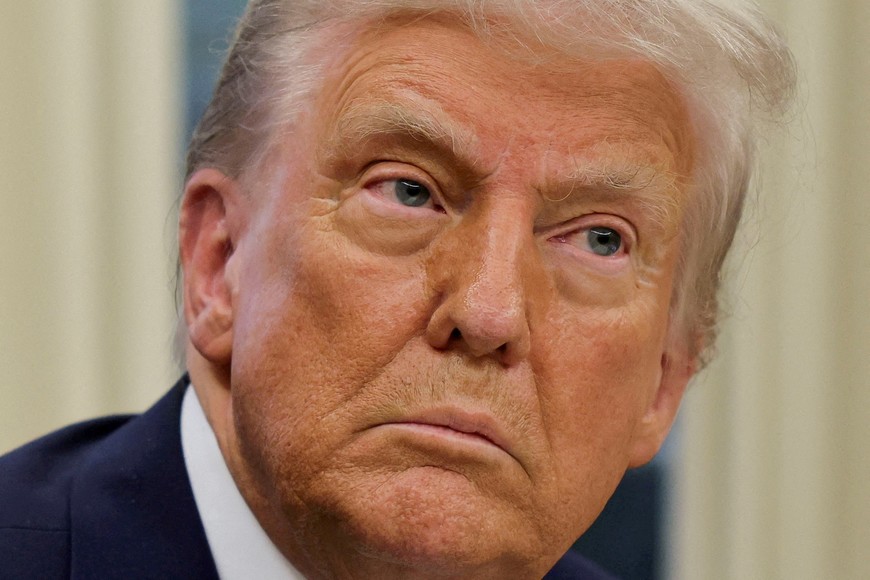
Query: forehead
493, 98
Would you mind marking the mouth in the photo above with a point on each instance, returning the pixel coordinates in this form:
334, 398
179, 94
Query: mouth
457, 426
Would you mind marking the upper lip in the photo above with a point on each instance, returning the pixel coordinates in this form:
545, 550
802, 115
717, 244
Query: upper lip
479, 423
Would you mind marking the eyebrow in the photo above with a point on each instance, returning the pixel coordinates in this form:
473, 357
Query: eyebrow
416, 119
644, 185
617, 167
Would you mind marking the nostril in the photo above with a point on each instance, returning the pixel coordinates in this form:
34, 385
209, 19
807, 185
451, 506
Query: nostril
455, 335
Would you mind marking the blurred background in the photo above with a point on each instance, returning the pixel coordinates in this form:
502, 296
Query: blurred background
768, 472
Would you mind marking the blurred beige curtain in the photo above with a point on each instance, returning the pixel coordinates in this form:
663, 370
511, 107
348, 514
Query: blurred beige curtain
89, 168
775, 475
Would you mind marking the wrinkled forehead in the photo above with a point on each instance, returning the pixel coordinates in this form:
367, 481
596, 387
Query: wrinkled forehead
506, 47
438, 78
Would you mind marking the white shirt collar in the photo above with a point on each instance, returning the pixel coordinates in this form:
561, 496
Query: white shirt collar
239, 546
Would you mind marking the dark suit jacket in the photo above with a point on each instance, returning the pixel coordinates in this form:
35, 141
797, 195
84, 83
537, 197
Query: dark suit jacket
110, 498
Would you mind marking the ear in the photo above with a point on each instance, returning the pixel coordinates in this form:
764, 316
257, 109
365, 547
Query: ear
677, 369
209, 220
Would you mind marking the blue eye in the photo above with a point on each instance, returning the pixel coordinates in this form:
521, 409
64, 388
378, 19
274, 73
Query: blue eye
604, 241
411, 193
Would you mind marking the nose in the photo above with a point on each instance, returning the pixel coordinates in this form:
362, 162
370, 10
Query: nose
480, 271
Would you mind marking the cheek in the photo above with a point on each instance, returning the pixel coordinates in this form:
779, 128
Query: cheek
598, 377
322, 313
365, 307
315, 286
314, 328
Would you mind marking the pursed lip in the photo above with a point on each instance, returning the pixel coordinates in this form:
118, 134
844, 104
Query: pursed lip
462, 421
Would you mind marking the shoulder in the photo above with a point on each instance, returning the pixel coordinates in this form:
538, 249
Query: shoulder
104, 498
35, 479
38, 479
573, 566
35, 486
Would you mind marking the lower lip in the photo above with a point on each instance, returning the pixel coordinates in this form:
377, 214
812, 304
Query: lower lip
447, 434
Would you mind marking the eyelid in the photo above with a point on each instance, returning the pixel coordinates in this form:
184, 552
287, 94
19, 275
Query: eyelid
588, 221
383, 171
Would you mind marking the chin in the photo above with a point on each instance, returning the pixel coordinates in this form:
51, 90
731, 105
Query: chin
431, 521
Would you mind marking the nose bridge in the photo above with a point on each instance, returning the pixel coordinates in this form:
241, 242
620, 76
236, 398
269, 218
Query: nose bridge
484, 285
495, 268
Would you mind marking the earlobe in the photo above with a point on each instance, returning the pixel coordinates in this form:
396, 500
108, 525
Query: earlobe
207, 243
676, 372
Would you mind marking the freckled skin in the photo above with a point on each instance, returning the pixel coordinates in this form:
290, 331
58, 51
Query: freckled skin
320, 308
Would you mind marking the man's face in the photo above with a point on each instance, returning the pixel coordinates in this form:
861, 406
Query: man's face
450, 304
